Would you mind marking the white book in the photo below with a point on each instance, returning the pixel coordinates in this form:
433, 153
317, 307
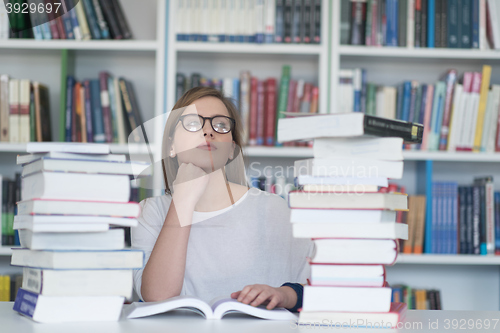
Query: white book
320, 180
259, 21
59, 227
215, 309
113, 239
354, 216
14, 110
250, 26
76, 186
493, 13
391, 201
28, 158
269, 20
67, 147
65, 222
222, 26
355, 251
349, 299
84, 166
4, 108
346, 91
242, 20
410, 27
120, 124
227, 87
490, 140
24, 110
180, 19
471, 120
362, 147
231, 20
196, 18
456, 118
69, 283
359, 188
356, 84
487, 125
71, 207
75, 259
464, 112
204, 20
4, 23
483, 40
63, 309
345, 271
337, 167
82, 21
214, 18
388, 230
390, 102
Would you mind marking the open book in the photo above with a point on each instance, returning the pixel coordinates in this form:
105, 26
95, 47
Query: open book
216, 309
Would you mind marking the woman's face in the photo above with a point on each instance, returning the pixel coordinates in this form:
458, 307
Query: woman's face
205, 148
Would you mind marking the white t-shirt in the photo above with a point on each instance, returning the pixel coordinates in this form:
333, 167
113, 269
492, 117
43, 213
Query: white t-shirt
247, 243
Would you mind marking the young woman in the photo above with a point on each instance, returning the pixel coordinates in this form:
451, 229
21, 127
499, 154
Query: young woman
211, 235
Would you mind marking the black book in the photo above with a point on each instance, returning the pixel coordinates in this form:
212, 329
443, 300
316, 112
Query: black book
89, 11
444, 23
316, 22
136, 110
431, 296
486, 195
11, 208
5, 209
423, 30
287, 21
464, 14
437, 22
438, 300
296, 20
462, 222
179, 85
402, 22
278, 29
305, 24
345, 22
418, 24
469, 202
476, 219
358, 21
110, 16
122, 21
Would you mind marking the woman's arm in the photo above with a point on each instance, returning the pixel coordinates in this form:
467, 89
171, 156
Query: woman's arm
163, 275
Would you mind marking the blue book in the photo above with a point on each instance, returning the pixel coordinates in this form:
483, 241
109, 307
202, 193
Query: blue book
391, 12
437, 105
454, 217
431, 12
476, 219
469, 219
399, 107
88, 112
475, 23
453, 22
68, 26
405, 112
466, 23
429, 209
70, 85
279, 23
97, 116
434, 219
112, 104
236, 91
92, 19
461, 219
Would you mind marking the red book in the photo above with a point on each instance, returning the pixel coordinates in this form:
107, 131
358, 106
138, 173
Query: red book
106, 110
60, 27
52, 22
270, 111
260, 112
314, 100
253, 111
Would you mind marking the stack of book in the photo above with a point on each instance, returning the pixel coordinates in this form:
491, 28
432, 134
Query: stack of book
76, 267
352, 224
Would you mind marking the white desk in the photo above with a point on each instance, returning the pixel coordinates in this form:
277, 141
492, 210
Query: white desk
183, 321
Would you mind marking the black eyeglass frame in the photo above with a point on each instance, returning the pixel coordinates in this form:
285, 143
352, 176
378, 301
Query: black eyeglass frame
231, 120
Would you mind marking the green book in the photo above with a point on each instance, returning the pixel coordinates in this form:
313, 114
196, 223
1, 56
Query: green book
32, 116
371, 99
282, 99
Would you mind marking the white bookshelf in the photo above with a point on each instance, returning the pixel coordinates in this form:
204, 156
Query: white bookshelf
410, 52
119, 45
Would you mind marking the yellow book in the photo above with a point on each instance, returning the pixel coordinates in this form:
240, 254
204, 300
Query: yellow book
82, 21
7, 288
483, 99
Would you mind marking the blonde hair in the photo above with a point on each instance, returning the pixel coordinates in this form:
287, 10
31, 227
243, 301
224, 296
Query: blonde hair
170, 165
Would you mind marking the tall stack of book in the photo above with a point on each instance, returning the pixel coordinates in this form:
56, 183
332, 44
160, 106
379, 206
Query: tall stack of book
76, 267
352, 224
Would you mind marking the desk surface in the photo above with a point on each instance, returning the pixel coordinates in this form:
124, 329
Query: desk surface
184, 321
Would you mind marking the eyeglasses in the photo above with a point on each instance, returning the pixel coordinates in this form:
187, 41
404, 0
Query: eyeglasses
195, 122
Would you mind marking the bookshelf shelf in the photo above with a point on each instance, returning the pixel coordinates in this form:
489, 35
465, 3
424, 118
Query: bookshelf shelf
125, 45
140, 149
405, 52
303, 152
246, 48
451, 259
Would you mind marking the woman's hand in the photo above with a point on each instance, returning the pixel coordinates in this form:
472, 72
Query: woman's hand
258, 294
189, 185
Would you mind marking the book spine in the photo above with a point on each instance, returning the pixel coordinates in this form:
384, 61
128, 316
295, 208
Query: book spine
253, 112
287, 21
105, 104
128, 109
60, 27
122, 21
245, 103
402, 17
296, 20
101, 21
77, 31
306, 24
461, 220
113, 107
88, 112
279, 22
260, 25
497, 223
25, 302
450, 80
91, 19
70, 85
97, 115
260, 112
107, 9
14, 110
476, 219
453, 22
388, 127
431, 11
316, 22
464, 13
475, 23
283, 96
52, 23
269, 21
270, 111
82, 21
66, 17
483, 98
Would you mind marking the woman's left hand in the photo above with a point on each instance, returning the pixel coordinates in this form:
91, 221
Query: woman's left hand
258, 294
